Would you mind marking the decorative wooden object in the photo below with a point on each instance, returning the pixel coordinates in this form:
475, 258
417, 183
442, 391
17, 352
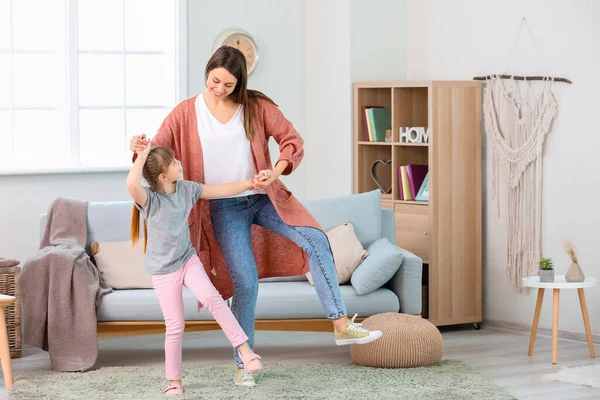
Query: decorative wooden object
525, 78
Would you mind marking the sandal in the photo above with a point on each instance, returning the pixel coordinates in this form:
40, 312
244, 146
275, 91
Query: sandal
173, 390
251, 362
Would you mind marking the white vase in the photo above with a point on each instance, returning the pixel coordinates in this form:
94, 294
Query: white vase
574, 273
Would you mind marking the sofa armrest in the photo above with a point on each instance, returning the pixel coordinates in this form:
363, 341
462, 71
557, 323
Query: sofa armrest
388, 225
406, 283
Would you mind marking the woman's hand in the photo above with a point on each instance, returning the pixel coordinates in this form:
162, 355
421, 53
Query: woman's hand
138, 143
264, 178
263, 175
144, 153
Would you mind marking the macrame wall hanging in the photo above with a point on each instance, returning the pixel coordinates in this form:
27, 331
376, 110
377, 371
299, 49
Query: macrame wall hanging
517, 119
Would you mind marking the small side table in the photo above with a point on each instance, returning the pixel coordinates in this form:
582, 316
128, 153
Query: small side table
4, 349
558, 284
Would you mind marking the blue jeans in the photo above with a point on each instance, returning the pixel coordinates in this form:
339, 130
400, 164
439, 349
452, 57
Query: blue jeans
232, 219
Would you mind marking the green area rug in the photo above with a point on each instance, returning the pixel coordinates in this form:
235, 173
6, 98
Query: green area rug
446, 380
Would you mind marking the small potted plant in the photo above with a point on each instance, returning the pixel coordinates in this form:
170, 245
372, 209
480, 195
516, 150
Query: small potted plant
388, 133
546, 270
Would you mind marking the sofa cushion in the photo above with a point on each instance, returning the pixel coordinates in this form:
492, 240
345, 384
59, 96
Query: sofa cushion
363, 210
382, 263
281, 300
109, 221
347, 251
121, 264
299, 300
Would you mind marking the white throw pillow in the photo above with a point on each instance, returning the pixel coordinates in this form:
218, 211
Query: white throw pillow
347, 251
121, 264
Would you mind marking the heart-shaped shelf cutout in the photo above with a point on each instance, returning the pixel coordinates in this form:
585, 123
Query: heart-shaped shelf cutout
385, 169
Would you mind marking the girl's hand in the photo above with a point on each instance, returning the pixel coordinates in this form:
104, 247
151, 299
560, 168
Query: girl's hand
263, 175
264, 178
146, 150
138, 143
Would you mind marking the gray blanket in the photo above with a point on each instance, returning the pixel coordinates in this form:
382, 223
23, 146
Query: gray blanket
61, 289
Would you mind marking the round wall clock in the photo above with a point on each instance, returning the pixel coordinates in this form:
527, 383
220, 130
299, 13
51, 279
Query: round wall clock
242, 41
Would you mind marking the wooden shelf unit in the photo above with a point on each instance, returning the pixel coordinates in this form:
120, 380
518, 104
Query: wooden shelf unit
445, 231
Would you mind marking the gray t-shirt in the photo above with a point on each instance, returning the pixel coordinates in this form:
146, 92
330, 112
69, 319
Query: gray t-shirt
169, 246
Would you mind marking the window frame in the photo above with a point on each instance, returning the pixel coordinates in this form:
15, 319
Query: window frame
72, 107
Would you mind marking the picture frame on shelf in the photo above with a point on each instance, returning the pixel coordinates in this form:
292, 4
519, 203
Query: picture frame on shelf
423, 194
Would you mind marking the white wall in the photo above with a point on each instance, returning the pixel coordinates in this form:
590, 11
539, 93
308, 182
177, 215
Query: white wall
328, 145
378, 40
465, 38
278, 29
345, 42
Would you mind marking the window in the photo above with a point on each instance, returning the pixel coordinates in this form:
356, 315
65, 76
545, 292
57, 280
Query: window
78, 78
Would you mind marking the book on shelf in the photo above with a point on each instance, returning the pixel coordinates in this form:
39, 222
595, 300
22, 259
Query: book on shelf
411, 179
378, 120
404, 184
400, 190
367, 135
416, 174
381, 119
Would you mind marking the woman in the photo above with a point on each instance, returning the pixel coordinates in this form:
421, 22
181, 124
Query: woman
222, 136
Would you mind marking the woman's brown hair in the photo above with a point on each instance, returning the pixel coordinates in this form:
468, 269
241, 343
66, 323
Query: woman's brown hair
234, 61
158, 162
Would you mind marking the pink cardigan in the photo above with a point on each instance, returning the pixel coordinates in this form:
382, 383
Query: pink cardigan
275, 255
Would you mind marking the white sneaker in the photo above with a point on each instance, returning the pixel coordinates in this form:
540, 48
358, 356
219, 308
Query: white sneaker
355, 323
356, 334
244, 378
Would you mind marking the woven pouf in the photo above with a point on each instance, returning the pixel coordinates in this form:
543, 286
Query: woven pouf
407, 341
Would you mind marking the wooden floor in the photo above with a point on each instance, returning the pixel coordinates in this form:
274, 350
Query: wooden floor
502, 356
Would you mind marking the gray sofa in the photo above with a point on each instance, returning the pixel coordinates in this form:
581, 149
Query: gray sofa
291, 298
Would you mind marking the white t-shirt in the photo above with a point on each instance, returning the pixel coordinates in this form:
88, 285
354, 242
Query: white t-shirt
225, 148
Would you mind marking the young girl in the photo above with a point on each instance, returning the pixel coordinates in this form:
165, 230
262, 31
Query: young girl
170, 256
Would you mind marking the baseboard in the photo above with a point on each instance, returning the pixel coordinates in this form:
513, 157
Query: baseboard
522, 328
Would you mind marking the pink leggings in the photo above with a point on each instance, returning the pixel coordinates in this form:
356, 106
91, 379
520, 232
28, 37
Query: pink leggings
168, 289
